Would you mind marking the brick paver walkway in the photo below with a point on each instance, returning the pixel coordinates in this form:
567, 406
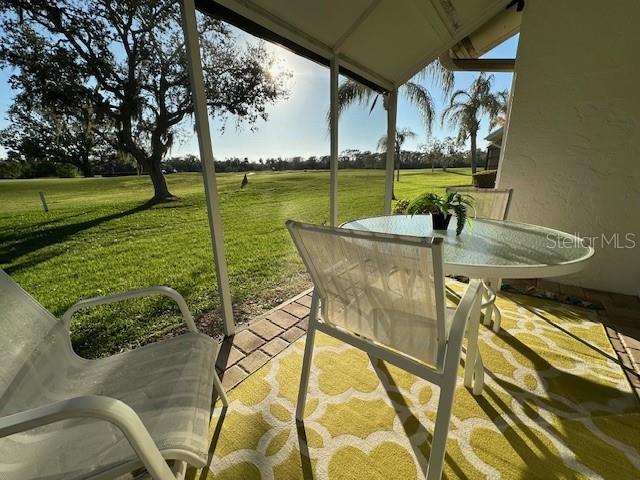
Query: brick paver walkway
264, 338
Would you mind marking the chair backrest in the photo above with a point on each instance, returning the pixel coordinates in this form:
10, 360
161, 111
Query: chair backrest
34, 346
386, 288
488, 203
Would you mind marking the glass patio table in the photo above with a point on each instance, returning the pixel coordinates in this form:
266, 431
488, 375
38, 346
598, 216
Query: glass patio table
490, 249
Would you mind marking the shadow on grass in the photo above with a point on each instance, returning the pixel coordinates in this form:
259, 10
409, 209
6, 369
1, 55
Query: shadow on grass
14, 232
34, 241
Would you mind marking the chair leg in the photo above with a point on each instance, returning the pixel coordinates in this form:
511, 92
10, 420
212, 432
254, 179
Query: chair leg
497, 319
472, 350
478, 376
492, 312
441, 430
306, 369
496, 284
488, 315
220, 389
179, 469
486, 295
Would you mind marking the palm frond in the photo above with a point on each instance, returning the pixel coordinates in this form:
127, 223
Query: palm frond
458, 93
350, 92
503, 99
403, 134
421, 98
438, 76
373, 104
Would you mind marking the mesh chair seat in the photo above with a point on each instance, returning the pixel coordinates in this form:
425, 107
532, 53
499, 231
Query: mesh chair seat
168, 384
162, 382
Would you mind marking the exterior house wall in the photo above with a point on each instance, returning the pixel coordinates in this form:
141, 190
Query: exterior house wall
572, 145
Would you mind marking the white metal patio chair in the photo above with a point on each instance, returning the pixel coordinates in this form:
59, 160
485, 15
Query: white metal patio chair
385, 295
490, 204
66, 417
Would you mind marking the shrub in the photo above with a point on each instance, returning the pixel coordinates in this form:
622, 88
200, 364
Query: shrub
401, 206
64, 170
486, 179
10, 169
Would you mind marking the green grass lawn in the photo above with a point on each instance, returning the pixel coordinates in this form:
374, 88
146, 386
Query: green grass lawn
100, 237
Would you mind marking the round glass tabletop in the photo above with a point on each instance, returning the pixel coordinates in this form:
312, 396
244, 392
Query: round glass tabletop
492, 248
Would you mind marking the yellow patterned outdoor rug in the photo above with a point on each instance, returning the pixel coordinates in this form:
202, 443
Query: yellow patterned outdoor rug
556, 405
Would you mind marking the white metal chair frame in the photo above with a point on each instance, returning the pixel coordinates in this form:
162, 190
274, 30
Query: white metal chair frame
491, 285
110, 409
444, 374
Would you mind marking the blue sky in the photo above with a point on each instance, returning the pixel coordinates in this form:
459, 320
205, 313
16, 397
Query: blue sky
297, 126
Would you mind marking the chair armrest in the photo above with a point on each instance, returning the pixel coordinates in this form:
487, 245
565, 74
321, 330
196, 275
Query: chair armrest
99, 407
143, 292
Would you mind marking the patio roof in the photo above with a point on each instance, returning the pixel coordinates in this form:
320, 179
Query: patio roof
495, 137
381, 43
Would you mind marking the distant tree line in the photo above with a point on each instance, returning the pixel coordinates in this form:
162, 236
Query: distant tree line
437, 153
441, 154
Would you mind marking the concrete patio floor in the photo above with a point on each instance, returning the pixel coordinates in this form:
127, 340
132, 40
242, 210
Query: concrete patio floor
268, 335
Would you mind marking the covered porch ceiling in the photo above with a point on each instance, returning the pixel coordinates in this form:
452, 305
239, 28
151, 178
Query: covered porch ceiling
380, 43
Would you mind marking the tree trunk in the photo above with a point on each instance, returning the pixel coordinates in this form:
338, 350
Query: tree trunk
86, 170
86, 167
160, 189
474, 153
398, 164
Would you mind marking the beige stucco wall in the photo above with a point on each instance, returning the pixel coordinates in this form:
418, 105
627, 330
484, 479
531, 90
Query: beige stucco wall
572, 146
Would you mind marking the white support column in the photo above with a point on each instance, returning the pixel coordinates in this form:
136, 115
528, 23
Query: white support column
192, 45
333, 125
392, 108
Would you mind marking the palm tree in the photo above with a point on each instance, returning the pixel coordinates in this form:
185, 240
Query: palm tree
503, 107
466, 109
401, 136
350, 92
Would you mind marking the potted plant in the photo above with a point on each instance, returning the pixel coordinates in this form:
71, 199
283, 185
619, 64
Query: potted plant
441, 209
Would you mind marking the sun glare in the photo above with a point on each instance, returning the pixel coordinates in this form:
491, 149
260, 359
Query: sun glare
278, 67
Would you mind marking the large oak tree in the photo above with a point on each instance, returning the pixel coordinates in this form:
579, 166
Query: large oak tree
52, 120
126, 61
